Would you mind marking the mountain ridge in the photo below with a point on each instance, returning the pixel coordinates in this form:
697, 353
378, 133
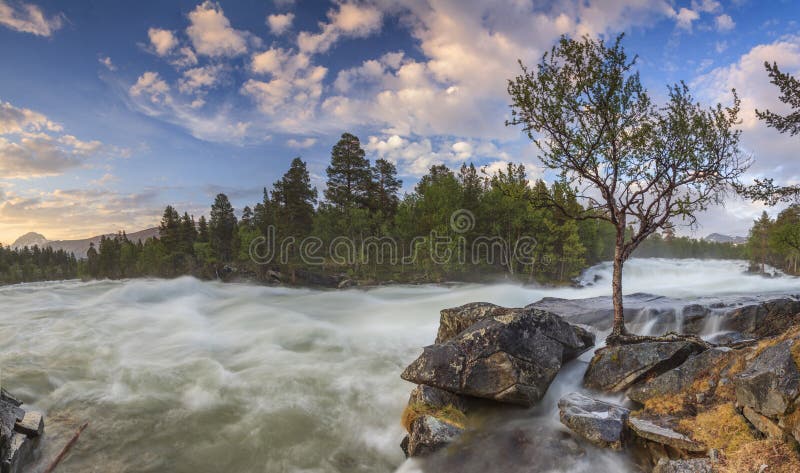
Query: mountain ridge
78, 247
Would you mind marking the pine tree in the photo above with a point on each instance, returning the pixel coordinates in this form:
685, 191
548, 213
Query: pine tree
348, 174
169, 232
247, 217
222, 228
294, 199
385, 186
202, 230
188, 234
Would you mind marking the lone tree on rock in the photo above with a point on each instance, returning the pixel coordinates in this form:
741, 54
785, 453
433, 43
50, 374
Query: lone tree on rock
635, 164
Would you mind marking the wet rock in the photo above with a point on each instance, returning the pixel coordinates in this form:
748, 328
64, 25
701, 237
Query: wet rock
512, 357
693, 465
455, 320
679, 379
32, 424
429, 434
599, 422
616, 368
436, 398
345, 283
764, 318
663, 435
771, 382
17, 452
763, 424
598, 312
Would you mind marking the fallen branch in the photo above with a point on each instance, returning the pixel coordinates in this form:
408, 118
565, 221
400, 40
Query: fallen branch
65, 450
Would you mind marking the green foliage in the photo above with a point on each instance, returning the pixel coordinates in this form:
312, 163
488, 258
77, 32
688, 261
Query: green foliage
392, 238
776, 242
36, 264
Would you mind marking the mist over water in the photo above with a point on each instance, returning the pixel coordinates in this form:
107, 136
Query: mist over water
190, 376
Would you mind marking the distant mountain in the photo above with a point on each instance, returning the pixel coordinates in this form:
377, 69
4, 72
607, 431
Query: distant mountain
30, 239
720, 238
79, 247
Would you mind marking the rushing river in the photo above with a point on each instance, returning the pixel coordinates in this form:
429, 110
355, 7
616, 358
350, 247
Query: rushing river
189, 376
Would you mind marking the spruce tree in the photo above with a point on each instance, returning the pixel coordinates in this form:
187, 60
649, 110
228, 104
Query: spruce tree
385, 187
222, 228
348, 174
169, 232
294, 199
202, 230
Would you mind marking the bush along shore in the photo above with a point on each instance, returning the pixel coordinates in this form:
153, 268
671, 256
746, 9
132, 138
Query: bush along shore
675, 404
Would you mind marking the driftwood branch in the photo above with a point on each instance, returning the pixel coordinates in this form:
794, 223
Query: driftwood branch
65, 450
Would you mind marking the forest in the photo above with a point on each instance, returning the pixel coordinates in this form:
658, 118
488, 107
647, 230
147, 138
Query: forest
361, 203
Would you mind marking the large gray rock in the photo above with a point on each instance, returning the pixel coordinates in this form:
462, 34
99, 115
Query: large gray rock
770, 384
599, 422
455, 320
436, 398
764, 318
649, 430
679, 379
429, 434
511, 357
616, 368
692, 465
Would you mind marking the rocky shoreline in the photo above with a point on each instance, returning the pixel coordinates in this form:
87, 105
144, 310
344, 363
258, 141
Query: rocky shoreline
730, 404
20, 433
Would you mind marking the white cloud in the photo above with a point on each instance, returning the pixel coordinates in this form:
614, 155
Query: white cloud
106, 61
200, 78
724, 23
211, 33
280, 23
32, 146
349, 20
151, 85
28, 18
685, 17
706, 6
162, 41
774, 154
304, 143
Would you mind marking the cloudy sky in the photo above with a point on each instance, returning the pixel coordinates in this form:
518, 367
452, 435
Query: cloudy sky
110, 110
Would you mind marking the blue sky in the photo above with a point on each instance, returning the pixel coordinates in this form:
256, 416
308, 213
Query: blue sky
111, 110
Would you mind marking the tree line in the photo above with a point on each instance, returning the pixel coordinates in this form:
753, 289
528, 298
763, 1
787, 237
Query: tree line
376, 228
776, 242
36, 264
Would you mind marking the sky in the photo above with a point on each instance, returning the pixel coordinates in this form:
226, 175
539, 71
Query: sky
110, 110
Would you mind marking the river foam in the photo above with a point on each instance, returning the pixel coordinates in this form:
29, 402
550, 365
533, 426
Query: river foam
190, 376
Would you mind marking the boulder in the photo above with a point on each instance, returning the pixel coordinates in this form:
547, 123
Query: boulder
763, 424
770, 384
616, 368
429, 434
764, 318
31, 424
663, 435
436, 398
510, 357
18, 452
455, 320
692, 465
599, 422
680, 379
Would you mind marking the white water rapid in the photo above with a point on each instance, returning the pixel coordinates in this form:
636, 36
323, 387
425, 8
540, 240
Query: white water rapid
189, 376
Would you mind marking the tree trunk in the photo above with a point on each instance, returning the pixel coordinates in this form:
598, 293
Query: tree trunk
616, 287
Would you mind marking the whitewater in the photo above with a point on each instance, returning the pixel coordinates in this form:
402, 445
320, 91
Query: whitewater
184, 375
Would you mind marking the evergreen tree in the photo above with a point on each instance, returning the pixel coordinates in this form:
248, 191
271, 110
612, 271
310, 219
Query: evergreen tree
349, 174
247, 217
294, 199
202, 230
385, 188
222, 229
169, 231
